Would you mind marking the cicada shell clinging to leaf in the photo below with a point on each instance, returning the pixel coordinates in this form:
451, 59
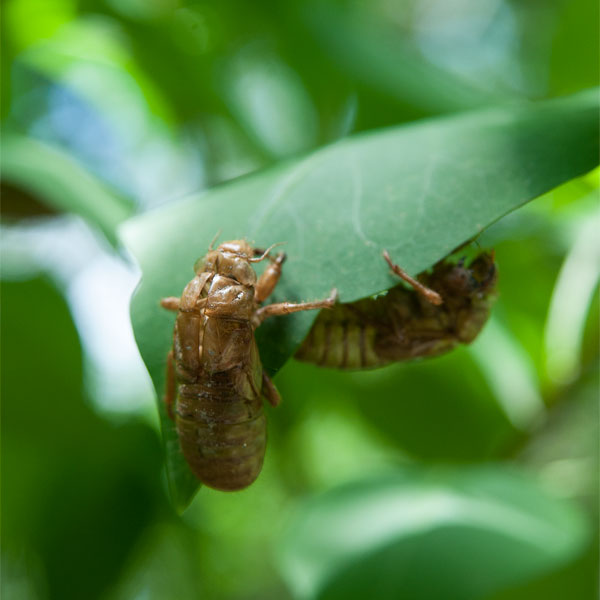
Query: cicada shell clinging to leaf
445, 308
215, 380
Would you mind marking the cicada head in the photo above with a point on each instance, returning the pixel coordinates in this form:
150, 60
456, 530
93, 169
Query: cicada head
483, 273
240, 248
468, 281
232, 259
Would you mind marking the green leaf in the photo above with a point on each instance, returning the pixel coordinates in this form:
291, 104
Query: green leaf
418, 190
56, 179
460, 534
78, 491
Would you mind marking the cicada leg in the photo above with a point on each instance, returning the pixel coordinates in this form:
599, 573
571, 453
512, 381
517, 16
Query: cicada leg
285, 308
170, 303
171, 388
426, 292
268, 280
269, 391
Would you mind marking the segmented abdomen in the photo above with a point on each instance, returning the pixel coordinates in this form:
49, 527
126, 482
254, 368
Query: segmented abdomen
398, 326
221, 433
340, 342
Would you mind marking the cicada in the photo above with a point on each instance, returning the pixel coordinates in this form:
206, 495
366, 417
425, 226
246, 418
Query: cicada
215, 380
443, 308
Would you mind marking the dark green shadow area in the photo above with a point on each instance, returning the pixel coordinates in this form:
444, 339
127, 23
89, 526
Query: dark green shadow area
77, 492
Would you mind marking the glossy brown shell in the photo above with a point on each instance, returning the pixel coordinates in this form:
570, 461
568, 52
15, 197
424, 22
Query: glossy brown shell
403, 325
218, 408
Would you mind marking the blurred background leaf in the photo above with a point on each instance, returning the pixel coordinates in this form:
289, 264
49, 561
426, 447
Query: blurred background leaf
483, 529
64, 186
76, 483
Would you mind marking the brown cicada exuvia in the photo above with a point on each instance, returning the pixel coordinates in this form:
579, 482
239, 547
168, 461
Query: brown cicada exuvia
215, 380
444, 308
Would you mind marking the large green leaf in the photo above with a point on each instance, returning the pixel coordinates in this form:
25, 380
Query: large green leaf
418, 190
461, 534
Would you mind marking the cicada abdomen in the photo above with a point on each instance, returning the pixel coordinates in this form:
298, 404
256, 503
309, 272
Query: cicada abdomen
215, 381
449, 306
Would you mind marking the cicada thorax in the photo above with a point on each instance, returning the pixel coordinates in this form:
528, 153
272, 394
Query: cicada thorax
218, 409
403, 324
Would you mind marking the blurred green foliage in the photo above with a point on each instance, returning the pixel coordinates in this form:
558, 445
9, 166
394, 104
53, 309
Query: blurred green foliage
482, 528
111, 107
77, 490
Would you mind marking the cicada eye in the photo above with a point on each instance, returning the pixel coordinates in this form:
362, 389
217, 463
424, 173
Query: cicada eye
483, 272
199, 265
458, 280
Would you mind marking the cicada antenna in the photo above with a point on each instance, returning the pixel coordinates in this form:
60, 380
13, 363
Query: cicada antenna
212, 243
265, 253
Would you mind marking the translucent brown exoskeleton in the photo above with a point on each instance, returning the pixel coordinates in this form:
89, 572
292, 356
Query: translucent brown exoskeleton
444, 308
215, 380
